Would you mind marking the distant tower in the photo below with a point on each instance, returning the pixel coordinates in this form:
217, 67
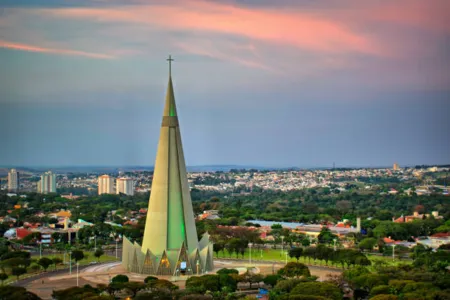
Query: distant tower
13, 180
47, 184
125, 186
396, 167
105, 185
170, 245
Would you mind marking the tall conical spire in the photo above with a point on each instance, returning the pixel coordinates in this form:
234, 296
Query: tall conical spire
170, 218
170, 235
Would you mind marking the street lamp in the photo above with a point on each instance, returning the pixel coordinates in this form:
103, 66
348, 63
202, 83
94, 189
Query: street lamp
77, 273
282, 248
393, 252
95, 243
250, 252
334, 240
286, 257
116, 248
198, 266
70, 262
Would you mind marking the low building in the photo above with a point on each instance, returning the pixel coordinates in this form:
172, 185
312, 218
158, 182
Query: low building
209, 215
416, 216
436, 240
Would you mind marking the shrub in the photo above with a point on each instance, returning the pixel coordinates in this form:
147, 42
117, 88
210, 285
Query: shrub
294, 269
323, 289
120, 279
398, 285
381, 289
384, 297
150, 278
271, 280
227, 271
307, 297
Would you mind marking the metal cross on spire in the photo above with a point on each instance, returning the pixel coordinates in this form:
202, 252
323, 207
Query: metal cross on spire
170, 60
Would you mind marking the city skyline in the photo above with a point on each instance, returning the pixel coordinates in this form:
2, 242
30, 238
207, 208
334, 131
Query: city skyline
359, 84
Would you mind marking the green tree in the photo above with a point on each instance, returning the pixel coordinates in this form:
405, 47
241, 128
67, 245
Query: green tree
227, 271
323, 289
380, 289
9, 292
296, 252
79, 293
56, 261
217, 247
18, 271
294, 269
150, 278
306, 242
162, 284
134, 287
325, 253
120, 279
16, 261
77, 255
203, 283
98, 253
271, 280
45, 262
3, 277
285, 286
228, 282
384, 297
367, 244
325, 236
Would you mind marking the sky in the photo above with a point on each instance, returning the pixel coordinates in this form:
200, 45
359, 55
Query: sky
268, 83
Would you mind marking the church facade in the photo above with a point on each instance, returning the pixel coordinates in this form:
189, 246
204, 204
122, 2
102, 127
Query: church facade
170, 245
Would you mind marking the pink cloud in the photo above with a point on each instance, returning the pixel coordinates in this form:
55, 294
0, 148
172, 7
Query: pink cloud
30, 48
224, 51
284, 27
431, 15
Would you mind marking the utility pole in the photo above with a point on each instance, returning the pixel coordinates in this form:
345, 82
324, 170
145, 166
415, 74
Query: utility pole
77, 273
393, 252
250, 252
116, 250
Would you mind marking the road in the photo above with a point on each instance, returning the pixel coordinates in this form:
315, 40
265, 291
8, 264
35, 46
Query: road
44, 284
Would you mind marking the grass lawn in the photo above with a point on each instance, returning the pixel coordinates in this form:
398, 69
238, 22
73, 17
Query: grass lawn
388, 260
271, 255
90, 257
277, 255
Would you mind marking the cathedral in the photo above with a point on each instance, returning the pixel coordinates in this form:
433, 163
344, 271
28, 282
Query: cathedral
170, 245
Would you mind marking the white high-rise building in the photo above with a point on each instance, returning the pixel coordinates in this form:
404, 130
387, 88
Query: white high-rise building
13, 180
125, 186
47, 184
105, 185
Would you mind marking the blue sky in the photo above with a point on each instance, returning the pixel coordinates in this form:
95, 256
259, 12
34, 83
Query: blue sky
299, 83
